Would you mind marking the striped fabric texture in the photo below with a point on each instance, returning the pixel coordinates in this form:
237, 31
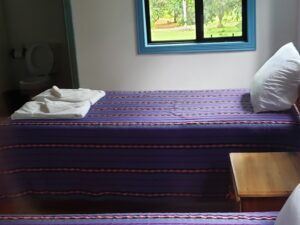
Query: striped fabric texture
151, 144
145, 218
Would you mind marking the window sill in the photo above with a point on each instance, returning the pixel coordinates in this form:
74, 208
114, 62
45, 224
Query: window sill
196, 47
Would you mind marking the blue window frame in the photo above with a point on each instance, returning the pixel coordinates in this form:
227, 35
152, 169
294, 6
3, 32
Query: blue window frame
148, 46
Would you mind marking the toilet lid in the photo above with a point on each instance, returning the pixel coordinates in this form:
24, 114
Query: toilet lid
39, 59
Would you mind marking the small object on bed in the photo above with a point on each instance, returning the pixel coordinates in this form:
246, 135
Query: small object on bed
275, 85
55, 91
52, 110
290, 213
70, 95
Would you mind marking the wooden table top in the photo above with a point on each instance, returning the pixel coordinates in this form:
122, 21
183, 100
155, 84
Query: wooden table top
265, 174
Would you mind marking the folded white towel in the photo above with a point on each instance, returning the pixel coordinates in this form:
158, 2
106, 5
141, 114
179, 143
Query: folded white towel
70, 95
52, 110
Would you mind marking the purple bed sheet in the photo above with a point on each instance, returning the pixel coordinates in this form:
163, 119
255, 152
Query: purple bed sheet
146, 218
149, 144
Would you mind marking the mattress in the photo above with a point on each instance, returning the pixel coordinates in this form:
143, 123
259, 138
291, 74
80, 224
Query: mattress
150, 144
146, 218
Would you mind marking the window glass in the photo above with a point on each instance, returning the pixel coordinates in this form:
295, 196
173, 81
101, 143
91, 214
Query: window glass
172, 20
223, 18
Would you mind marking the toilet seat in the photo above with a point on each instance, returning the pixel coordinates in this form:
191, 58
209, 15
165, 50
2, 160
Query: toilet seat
40, 59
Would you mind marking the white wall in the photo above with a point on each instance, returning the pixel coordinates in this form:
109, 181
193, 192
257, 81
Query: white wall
107, 56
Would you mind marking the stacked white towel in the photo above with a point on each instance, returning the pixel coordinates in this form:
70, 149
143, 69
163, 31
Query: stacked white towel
70, 95
58, 103
52, 110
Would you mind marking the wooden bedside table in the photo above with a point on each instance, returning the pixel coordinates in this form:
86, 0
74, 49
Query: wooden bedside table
263, 181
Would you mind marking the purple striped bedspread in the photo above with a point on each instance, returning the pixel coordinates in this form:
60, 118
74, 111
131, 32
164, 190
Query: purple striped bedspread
145, 218
151, 144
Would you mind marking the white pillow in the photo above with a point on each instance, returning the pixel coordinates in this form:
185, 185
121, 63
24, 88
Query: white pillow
275, 85
290, 213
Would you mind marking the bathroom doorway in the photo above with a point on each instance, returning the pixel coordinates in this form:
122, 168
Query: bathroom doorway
23, 25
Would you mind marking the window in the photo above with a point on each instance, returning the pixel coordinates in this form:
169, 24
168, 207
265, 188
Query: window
170, 26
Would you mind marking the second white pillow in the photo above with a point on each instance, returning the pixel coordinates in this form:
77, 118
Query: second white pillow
290, 213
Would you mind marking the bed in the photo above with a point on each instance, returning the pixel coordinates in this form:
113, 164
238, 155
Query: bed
149, 144
146, 218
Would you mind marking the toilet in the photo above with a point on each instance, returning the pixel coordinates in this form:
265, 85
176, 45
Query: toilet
39, 62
